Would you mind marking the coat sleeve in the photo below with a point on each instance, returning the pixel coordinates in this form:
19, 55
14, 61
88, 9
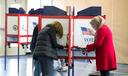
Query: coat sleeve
34, 38
52, 34
100, 35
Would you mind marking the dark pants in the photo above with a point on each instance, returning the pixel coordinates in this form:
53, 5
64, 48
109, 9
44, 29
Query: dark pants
46, 64
105, 73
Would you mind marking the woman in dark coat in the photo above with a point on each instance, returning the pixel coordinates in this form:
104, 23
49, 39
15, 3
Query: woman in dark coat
46, 46
103, 44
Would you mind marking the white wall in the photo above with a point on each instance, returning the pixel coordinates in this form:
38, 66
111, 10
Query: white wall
41, 3
32, 4
21, 3
2, 24
60, 4
2, 13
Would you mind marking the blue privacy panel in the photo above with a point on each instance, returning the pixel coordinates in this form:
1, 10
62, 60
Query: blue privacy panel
16, 11
54, 11
91, 11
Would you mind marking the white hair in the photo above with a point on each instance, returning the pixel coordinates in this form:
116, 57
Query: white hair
97, 21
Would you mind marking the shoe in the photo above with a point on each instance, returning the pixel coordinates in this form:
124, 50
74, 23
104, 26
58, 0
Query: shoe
62, 69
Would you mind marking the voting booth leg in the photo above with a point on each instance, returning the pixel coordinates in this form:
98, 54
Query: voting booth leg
69, 70
73, 69
18, 61
5, 58
72, 63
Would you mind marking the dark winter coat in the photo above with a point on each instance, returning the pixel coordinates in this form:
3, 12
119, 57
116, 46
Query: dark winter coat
34, 38
47, 43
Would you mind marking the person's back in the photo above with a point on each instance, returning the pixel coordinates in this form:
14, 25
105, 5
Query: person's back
44, 45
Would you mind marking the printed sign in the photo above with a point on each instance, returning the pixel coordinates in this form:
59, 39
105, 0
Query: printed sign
86, 34
82, 36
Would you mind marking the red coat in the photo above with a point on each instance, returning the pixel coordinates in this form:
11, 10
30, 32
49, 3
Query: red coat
105, 52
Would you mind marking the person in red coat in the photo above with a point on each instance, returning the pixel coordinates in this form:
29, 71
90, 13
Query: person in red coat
103, 45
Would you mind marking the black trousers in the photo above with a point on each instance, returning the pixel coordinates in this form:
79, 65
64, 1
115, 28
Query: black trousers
46, 66
105, 73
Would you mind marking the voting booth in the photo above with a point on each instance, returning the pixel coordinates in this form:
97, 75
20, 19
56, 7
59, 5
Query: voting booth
15, 36
33, 21
19, 29
64, 20
82, 36
15, 33
18, 34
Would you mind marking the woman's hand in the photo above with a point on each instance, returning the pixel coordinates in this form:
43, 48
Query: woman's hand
91, 32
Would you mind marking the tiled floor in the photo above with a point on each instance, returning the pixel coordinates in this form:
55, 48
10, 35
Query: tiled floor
82, 68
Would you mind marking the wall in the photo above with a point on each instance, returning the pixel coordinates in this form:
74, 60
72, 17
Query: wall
2, 19
60, 4
41, 3
120, 29
2, 13
22, 3
35, 6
